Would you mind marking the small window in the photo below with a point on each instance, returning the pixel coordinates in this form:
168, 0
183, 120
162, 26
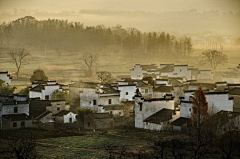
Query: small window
94, 102
70, 120
146, 123
120, 113
180, 70
146, 90
140, 109
126, 93
14, 124
58, 108
47, 97
15, 109
190, 109
23, 124
111, 112
89, 124
109, 101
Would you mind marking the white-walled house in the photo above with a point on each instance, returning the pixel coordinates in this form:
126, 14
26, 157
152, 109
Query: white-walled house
14, 112
161, 91
145, 89
65, 116
115, 110
139, 71
6, 77
44, 89
217, 101
144, 108
92, 98
205, 74
127, 92
182, 71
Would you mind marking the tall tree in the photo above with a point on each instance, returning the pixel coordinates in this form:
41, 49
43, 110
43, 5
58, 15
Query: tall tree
17, 56
199, 108
105, 77
214, 58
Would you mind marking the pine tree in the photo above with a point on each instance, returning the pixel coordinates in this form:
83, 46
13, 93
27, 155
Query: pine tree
200, 108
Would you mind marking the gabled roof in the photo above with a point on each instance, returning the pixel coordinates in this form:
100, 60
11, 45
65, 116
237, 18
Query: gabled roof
168, 68
107, 89
38, 107
16, 117
160, 116
175, 82
38, 88
163, 89
43, 115
62, 112
142, 84
180, 121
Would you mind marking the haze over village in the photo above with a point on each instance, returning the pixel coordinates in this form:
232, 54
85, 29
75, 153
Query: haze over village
156, 79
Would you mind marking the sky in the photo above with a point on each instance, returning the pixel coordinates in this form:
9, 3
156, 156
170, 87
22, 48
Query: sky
129, 5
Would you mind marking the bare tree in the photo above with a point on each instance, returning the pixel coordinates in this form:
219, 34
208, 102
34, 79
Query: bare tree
105, 77
17, 57
89, 60
214, 58
116, 151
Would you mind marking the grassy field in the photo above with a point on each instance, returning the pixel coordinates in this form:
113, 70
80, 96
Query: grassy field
88, 146
68, 67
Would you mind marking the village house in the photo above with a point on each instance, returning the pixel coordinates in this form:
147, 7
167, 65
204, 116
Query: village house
144, 108
127, 91
14, 112
224, 121
98, 121
159, 121
46, 113
104, 95
78, 86
6, 77
235, 94
180, 124
162, 91
217, 101
44, 89
139, 71
232, 75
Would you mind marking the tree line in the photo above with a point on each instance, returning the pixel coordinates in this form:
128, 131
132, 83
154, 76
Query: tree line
61, 35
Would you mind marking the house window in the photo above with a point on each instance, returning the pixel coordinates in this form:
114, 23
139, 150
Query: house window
15, 109
47, 97
110, 112
94, 102
140, 107
146, 123
14, 124
109, 101
23, 124
180, 70
126, 93
146, 90
88, 124
70, 120
58, 108
190, 109
120, 113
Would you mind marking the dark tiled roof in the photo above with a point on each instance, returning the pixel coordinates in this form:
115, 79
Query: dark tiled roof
168, 68
43, 115
109, 90
38, 107
149, 67
4, 72
222, 118
38, 88
234, 91
142, 84
80, 84
62, 112
16, 117
113, 107
160, 116
180, 121
175, 82
163, 89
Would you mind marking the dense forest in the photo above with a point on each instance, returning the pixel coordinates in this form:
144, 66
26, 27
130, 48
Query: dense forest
61, 35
